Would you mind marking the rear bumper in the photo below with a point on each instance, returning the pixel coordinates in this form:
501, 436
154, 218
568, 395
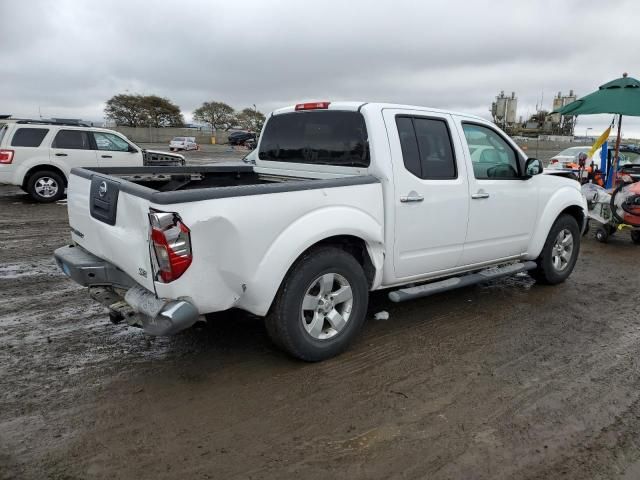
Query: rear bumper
117, 291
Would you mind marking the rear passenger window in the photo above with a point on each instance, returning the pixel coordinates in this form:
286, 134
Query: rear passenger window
72, 139
28, 137
426, 145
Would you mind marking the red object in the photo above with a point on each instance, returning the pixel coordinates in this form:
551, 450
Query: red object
313, 106
554, 161
6, 156
173, 250
632, 209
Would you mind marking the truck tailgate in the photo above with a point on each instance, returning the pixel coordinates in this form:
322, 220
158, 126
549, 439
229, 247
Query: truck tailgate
111, 224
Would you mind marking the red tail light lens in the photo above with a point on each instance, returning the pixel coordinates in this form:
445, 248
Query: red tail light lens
6, 156
172, 245
554, 161
313, 106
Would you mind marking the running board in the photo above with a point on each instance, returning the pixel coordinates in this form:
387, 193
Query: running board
427, 289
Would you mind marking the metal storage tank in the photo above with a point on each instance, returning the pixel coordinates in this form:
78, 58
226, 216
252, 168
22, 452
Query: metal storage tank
512, 108
501, 106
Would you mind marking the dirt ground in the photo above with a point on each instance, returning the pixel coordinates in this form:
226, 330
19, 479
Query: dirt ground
501, 381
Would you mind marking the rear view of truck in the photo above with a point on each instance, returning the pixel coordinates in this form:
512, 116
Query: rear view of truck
161, 246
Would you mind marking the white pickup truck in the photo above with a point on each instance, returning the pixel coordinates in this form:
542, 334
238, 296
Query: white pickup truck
344, 198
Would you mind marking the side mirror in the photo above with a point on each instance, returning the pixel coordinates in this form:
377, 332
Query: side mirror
132, 149
532, 167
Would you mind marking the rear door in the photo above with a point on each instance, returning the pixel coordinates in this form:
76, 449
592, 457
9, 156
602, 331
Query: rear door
503, 206
114, 151
432, 196
72, 148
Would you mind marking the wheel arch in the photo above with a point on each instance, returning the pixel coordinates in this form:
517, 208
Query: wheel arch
43, 167
363, 239
565, 201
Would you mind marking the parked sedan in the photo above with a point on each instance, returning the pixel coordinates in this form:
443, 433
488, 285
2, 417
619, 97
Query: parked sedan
183, 143
240, 137
568, 158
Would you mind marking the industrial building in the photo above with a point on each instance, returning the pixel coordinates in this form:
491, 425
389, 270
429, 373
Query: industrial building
543, 122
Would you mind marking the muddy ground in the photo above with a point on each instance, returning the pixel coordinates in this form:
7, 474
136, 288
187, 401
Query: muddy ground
501, 381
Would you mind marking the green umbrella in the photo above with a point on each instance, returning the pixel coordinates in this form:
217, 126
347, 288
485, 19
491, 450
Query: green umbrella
620, 96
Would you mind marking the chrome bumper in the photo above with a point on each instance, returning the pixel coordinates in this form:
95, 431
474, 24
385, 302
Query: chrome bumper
117, 291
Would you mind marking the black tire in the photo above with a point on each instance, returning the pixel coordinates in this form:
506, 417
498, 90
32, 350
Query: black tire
635, 236
54, 191
286, 322
602, 235
546, 272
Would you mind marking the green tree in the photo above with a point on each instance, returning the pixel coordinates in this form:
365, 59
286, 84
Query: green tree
218, 115
143, 111
125, 110
251, 119
161, 112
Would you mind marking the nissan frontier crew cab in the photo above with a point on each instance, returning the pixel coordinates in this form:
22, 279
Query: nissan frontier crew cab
344, 198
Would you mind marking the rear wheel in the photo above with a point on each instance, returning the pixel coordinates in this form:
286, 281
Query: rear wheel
321, 305
46, 186
560, 252
602, 235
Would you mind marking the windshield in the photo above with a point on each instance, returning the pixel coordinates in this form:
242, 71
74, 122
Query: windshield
572, 152
321, 137
625, 158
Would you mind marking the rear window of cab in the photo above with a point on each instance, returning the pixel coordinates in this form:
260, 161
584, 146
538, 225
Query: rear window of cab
321, 137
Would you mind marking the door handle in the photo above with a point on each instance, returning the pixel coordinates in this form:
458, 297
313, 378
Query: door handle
106, 156
480, 195
61, 154
412, 197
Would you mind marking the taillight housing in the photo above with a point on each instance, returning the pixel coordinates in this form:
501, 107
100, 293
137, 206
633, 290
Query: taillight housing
171, 241
554, 161
313, 106
6, 156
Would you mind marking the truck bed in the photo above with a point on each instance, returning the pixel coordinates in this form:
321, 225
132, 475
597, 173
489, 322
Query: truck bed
179, 184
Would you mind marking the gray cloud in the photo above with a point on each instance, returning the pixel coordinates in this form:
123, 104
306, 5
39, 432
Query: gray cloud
69, 57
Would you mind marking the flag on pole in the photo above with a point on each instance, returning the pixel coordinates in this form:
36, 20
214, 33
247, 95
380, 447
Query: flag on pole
598, 143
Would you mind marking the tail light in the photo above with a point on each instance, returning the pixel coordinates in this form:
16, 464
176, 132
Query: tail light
554, 161
172, 245
313, 106
6, 156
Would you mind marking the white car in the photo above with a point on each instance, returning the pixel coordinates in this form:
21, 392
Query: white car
344, 198
183, 143
568, 158
38, 155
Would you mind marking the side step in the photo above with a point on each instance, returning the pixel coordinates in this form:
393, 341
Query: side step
427, 289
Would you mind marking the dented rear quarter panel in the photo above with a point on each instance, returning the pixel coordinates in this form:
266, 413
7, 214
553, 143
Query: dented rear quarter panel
243, 246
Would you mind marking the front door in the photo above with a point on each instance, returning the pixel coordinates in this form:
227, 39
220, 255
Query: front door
113, 151
431, 193
72, 148
503, 206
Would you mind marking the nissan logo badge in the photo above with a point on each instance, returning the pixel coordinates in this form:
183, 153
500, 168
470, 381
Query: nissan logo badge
102, 191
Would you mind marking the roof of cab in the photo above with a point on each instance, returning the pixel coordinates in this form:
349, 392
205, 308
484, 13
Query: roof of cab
356, 106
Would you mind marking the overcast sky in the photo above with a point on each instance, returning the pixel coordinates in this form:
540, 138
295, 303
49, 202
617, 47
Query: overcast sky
66, 58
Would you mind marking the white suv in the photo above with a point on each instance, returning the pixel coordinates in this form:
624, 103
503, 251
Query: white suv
39, 155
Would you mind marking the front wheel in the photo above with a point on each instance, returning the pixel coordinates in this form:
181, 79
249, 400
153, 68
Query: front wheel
560, 252
320, 306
